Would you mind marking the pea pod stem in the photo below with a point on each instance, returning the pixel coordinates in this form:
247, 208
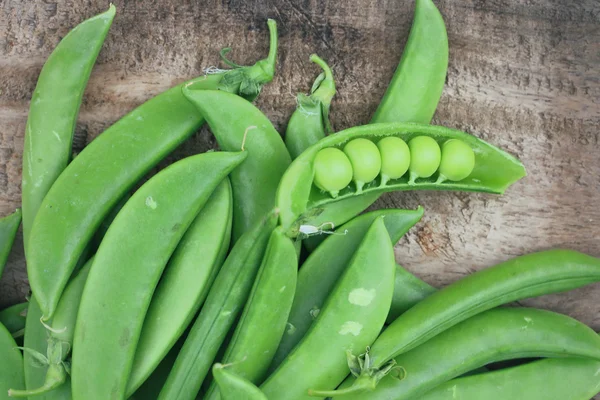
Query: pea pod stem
531, 275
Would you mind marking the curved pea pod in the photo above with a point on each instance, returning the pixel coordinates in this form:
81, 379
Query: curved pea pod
184, 284
495, 335
323, 268
111, 165
299, 200
8, 230
310, 121
219, 312
531, 275
350, 319
127, 268
234, 387
252, 347
408, 291
11, 367
238, 124
547, 379
54, 108
416, 87
13, 319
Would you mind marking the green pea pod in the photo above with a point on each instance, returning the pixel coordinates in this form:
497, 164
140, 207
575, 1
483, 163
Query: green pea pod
251, 348
323, 268
416, 87
237, 124
234, 387
221, 309
184, 284
494, 335
547, 379
531, 275
408, 291
13, 319
8, 230
11, 367
310, 121
350, 319
60, 337
142, 237
112, 164
54, 109
299, 200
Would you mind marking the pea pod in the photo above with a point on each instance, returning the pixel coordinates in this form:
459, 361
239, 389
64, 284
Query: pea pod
237, 124
547, 379
54, 108
350, 319
310, 121
531, 275
112, 164
11, 367
8, 230
142, 237
408, 292
494, 335
416, 87
221, 309
184, 284
299, 199
251, 348
13, 319
234, 387
323, 268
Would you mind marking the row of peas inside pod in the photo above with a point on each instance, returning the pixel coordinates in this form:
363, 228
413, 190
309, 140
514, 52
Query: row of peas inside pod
362, 161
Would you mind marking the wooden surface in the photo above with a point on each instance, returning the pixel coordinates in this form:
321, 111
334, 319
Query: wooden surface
523, 75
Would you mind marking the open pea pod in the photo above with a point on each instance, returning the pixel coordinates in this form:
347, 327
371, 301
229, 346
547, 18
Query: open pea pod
300, 201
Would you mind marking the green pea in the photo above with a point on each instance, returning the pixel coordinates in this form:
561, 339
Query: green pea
365, 159
395, 158
425, 157
458, 161
333, 170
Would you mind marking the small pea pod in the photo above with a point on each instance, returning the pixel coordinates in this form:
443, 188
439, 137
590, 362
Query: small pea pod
13, 319
142, 237
184, 284
111, 165
310, 121
531, 275
221, 309
494, 335
234, 387
416, 87
237, 124
251, 348
54, 108
299, 198
350, 319
323, 268
547, 379
408, 291
8, 230
11, 367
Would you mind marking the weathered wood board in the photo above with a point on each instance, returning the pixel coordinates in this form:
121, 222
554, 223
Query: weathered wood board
523, 75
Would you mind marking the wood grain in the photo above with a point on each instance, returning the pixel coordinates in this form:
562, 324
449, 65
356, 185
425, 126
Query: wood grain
523, 75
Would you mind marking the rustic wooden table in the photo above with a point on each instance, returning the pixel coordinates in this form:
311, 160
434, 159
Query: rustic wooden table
523, 75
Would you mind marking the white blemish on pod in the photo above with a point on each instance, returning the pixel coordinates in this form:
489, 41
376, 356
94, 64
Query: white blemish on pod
351, 327
150, 202
361, 296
